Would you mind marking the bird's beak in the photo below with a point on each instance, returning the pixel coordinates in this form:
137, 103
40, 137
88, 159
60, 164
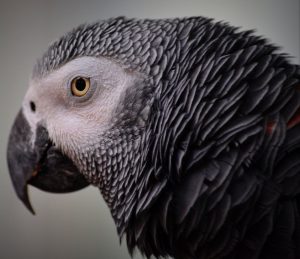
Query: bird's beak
39, 163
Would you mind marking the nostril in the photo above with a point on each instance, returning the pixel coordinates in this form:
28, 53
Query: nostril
32, 106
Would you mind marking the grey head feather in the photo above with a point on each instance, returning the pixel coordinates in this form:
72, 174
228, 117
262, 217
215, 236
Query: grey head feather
190, 186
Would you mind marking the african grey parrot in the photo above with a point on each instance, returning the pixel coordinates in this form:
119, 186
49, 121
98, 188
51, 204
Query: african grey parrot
189, 127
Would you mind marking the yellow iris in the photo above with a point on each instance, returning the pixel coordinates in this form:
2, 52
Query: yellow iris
80, 86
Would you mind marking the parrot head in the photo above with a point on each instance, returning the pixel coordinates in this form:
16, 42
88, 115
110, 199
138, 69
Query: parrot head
83, 118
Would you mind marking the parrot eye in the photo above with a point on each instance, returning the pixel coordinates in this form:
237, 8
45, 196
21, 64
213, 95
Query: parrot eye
80, 86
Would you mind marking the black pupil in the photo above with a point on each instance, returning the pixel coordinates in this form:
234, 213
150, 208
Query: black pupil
80, 84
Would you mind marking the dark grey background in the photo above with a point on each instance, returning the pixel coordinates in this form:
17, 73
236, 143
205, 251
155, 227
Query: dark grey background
79, 225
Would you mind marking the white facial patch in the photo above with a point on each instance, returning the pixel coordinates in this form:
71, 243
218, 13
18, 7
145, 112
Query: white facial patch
73, 122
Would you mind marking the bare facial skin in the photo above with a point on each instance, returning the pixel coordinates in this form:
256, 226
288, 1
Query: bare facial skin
71, 119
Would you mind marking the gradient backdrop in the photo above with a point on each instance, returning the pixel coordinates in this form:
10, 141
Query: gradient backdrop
79, 225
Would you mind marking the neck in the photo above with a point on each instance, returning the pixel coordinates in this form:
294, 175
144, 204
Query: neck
116, 167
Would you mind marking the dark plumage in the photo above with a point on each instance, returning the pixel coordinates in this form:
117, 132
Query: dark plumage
216, 171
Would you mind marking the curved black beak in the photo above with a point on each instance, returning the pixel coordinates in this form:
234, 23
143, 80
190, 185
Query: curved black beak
39, 163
